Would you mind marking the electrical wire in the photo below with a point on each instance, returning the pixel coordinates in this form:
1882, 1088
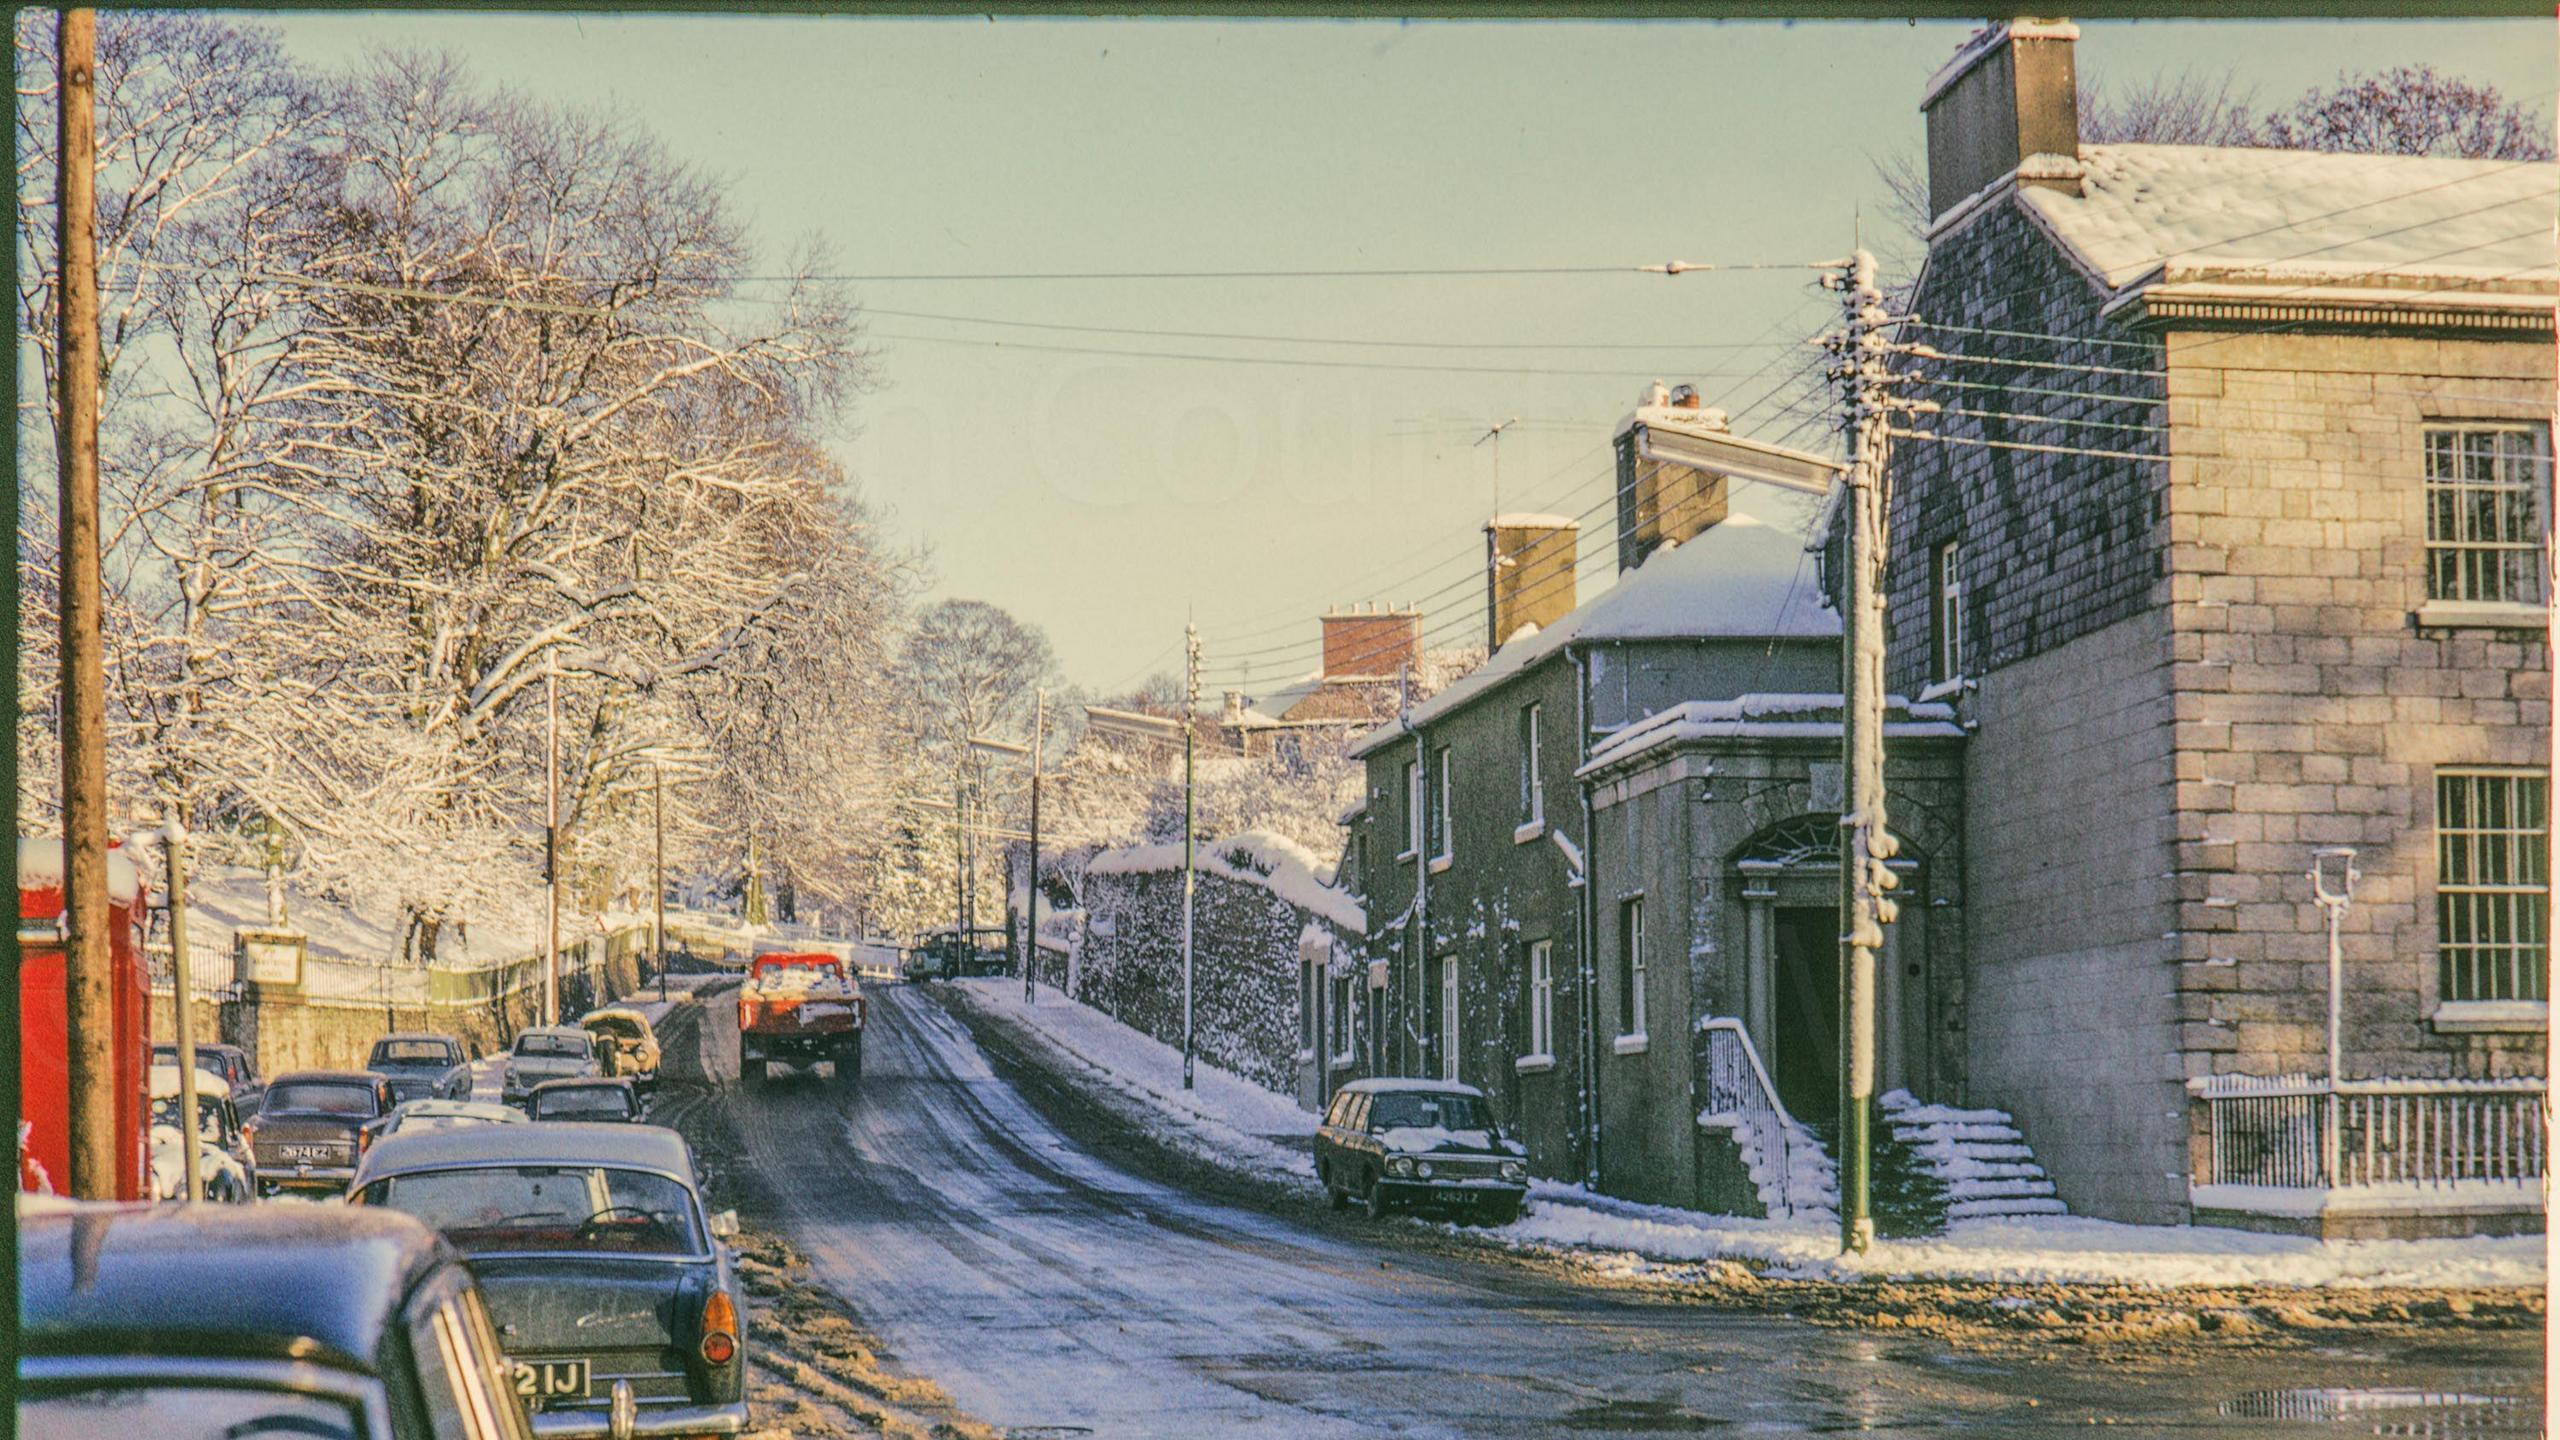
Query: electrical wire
1345, 341
1301, 362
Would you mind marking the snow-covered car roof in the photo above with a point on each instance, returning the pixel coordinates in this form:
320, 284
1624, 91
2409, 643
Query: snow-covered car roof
1409, 1085
480, 1110
566, 1142
165, 1080
615, 1012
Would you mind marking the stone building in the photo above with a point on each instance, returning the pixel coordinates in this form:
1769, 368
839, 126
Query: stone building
2228, 545
1616, 829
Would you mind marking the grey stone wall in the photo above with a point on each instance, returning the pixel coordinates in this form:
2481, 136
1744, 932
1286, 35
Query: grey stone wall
1245, 967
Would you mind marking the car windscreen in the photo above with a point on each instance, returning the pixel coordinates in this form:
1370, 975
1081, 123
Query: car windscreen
589, 1209
1422, 1110
182, 1412
164, 1111
319, 1098
573, 1047
413, 1052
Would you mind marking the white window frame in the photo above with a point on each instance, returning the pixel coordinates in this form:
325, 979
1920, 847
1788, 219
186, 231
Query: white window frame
1946, 613
1533, 778
1412, 809
1542, 1001
2484, 874
1449, 1017
1446, 818
2465, 567
1631, 968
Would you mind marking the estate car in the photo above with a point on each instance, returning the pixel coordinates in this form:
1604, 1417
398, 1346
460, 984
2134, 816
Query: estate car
1420, 1143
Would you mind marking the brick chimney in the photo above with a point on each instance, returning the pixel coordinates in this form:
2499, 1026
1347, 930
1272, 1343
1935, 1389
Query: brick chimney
1529, 572
1370, 644
1661, 501
2007, 102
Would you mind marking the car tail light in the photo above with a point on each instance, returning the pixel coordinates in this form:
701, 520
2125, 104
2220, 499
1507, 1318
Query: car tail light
720, 1329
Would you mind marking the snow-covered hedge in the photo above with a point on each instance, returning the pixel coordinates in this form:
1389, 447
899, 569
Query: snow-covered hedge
1257, 892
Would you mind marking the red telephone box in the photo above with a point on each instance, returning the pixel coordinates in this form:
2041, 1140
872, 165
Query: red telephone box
44, 1047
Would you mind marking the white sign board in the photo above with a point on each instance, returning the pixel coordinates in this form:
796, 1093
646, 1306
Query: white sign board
269, 957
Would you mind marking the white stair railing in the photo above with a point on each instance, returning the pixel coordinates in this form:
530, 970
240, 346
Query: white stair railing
1735, 1088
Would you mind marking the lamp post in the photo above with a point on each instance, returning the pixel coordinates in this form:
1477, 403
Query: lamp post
2339, 862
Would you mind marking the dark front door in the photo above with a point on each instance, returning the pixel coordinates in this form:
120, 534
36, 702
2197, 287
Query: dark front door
1807, 1065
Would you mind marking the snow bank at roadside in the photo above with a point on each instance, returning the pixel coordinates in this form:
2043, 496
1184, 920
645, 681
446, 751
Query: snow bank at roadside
2041, 1249
1241, 1126
1223, 1118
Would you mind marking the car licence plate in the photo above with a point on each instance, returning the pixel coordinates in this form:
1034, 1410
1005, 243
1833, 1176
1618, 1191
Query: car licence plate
551, 1379
310, 1152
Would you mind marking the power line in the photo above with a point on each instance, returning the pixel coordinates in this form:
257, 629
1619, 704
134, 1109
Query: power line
1346, 341
1304, 362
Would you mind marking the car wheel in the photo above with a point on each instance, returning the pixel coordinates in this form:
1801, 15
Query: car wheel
752, 1072
1375, 1202
1335, 1195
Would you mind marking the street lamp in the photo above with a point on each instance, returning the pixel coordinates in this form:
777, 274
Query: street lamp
659, 757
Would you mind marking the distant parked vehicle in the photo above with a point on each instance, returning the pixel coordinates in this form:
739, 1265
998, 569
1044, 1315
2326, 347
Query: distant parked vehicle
611, 1284
548, 1052
1420, 1143
228, 1062
625, 1043
315, 1126
800, 1008
611, 1101
423, 1067
413, 1116
298, 1323
222, 1151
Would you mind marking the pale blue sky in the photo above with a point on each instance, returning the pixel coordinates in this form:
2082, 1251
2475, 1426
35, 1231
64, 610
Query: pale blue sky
1100, 496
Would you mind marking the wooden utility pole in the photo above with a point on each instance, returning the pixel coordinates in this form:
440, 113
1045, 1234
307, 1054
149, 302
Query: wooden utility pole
658, 869
1190, 875
89, 988
551, 841
1031, 947
1866, 845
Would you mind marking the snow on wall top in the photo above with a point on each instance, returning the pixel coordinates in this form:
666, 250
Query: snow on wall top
1743, 578
40, 868
1523, 520
2287, 216
1275, 862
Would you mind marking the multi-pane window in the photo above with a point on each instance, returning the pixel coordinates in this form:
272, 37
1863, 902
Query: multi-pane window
1542, 998
2493, 883
1533, 781
2484, 522
1946, 612
1631, 966
1412, 807
1443, 816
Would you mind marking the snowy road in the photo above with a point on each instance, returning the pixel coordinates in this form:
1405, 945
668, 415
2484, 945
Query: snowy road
1052, 1294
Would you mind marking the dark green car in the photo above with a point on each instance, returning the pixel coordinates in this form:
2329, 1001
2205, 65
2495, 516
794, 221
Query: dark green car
1421, 1144
614, 1292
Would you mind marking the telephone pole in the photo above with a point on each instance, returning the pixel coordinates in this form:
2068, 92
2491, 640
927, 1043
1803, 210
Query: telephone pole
551, 838
1031, 948
658, 869
89, 981
1866, 845
1190, 874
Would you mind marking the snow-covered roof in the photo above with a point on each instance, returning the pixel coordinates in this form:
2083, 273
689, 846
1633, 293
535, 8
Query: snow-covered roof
1744, 578
1762, 716
2169, 213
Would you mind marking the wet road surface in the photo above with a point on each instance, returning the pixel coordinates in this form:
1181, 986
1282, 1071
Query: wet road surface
1052, 1294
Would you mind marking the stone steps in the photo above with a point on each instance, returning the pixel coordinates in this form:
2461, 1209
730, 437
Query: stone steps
1979, 1155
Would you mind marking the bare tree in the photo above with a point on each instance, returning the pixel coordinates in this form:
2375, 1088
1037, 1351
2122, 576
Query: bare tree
2413, 110
2191, 107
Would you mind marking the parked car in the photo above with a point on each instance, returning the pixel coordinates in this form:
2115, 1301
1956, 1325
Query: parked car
626, 1044
1420, 1143
153, 1323
314, 1126
423, 1067
547, 1052
222, 1152
610, 1284
230, 1063
604, 1100
411, 1116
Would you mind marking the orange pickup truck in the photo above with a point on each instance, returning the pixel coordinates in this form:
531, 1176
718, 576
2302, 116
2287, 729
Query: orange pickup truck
800, 1009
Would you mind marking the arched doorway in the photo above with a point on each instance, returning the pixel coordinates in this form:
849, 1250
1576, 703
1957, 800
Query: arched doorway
1789, 883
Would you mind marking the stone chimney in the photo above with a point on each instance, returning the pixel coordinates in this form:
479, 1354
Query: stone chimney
2007, 102
1367, 643
1529, 573
1661, 501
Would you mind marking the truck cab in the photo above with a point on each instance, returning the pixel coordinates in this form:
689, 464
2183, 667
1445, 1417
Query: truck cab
800, 1008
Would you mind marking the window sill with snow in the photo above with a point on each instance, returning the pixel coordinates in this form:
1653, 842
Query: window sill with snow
1534, 1064
1440, 863
1631, 1044
1529, 832
2490, 1017
2482, 615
